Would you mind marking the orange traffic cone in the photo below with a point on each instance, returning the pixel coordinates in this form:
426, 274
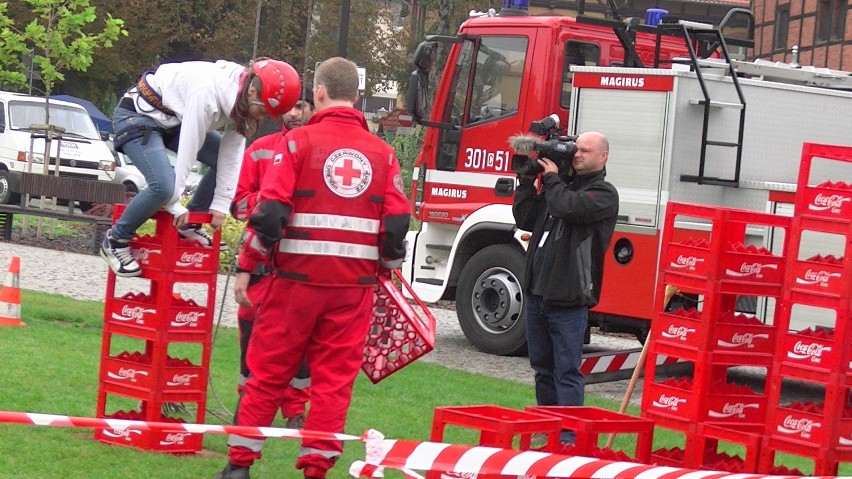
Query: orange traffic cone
10, 296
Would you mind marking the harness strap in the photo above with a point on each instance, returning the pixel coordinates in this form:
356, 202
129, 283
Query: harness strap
151, 96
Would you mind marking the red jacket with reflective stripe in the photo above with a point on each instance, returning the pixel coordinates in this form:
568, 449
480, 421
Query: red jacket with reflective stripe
255, 160
337, 190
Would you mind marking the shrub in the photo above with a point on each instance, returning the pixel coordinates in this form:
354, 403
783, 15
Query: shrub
407, 148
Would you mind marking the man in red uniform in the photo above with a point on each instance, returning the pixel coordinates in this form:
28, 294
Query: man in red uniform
332, 214
255, 161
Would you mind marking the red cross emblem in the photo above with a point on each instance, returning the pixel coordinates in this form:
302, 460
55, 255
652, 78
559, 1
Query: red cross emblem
347, 172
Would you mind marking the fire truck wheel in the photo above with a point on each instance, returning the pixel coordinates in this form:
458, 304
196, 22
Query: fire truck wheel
489, 302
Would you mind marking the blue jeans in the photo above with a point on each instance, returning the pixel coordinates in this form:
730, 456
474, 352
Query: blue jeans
555, 344
153, 163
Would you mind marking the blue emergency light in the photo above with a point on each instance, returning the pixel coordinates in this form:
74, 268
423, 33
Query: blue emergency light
515, 7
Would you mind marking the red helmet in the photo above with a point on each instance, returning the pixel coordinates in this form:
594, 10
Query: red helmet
281, 85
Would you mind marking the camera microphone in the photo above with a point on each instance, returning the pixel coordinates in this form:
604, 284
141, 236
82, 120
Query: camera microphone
524, 143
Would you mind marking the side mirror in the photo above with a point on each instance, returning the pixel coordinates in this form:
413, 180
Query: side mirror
425, 55
105, 135
415, 97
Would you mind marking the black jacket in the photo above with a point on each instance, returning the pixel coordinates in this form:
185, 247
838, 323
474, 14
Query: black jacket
584, 213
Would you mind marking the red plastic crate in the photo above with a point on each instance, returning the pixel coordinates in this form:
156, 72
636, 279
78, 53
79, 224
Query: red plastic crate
187, 257
140, 311
399, 334
827, 200
137, 372
673, 457
811, 424
589, 423
807, 351
753, 267
819, 277
826, 460
748, 436
498, 425
688, 259
680, 400
169, 442
726, 332
830, 201
167, 253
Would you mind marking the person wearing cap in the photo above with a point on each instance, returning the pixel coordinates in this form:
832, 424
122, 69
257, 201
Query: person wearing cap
255, 162
181, 107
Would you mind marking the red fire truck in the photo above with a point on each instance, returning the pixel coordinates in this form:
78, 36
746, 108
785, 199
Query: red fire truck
677, 132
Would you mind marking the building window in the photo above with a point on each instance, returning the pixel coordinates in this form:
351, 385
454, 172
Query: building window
831, 20
782, 26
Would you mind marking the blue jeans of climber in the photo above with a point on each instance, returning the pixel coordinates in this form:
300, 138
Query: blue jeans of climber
153, 162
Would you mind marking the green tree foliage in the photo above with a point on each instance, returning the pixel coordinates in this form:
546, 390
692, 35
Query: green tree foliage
162, 31
407, 148
10, 52
373, 43
57, 38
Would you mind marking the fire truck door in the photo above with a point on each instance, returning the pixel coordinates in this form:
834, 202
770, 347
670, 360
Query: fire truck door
485, 105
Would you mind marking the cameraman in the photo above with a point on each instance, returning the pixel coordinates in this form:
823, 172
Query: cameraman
572, 220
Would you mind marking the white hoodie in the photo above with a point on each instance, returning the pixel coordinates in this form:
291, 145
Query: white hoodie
202, 95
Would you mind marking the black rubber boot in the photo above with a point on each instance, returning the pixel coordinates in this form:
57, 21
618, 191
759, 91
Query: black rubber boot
233, 472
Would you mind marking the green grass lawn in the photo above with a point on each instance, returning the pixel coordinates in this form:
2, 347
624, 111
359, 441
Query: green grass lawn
51, 366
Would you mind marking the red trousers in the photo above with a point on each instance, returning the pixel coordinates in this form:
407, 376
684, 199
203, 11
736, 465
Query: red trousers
328, 327
299, 393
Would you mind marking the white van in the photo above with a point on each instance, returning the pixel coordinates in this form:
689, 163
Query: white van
82, 151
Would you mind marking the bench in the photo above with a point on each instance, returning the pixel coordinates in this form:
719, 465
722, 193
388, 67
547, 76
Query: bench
67, 189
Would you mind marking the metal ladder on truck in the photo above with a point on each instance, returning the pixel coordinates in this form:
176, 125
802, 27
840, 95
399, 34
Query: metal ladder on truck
702, 41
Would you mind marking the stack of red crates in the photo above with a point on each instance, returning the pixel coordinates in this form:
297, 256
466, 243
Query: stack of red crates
156, 343
817, 283
714, 264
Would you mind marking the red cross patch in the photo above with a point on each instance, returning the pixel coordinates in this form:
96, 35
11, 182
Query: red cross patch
347, 173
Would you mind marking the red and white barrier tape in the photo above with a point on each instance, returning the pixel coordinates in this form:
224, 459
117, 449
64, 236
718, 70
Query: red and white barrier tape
407, 456
600, 363
470, 461
35, 419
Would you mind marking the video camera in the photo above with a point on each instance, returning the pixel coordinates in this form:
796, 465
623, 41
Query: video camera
559, 149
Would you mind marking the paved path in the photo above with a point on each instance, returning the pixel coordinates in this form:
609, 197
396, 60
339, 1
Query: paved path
83, 276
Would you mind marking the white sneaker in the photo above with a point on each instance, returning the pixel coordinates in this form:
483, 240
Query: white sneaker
201, 236
118, 256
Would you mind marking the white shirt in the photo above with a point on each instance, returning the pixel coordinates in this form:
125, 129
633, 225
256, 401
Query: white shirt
202, 95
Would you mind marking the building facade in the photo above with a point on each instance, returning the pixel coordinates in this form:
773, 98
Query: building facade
821, 29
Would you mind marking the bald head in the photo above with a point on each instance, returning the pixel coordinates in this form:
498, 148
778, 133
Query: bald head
592, 152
